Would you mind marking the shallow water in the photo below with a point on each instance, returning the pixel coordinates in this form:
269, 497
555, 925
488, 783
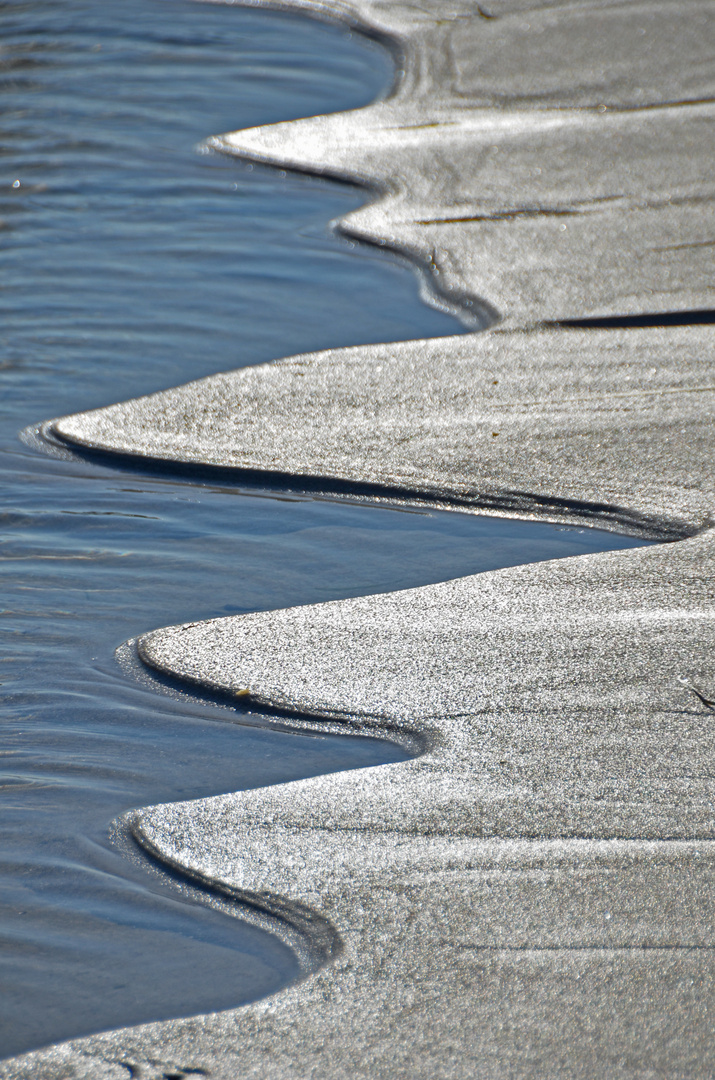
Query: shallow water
133, 263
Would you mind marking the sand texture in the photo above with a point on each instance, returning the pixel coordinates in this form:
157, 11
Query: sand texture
530, 896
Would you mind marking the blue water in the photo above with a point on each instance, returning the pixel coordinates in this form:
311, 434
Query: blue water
131, 263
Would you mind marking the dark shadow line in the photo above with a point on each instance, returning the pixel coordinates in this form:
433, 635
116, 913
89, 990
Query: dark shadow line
247, 708
310, 936
699, 317
509, 502
475, 312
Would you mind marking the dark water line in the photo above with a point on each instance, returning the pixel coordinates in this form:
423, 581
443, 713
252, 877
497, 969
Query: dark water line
312, 939
474, 312
246, 709
702, 317
552, 508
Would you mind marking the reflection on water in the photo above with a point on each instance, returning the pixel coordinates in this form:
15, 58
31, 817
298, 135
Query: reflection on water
132, 263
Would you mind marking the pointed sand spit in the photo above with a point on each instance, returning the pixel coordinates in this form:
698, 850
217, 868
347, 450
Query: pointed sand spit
532, 896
